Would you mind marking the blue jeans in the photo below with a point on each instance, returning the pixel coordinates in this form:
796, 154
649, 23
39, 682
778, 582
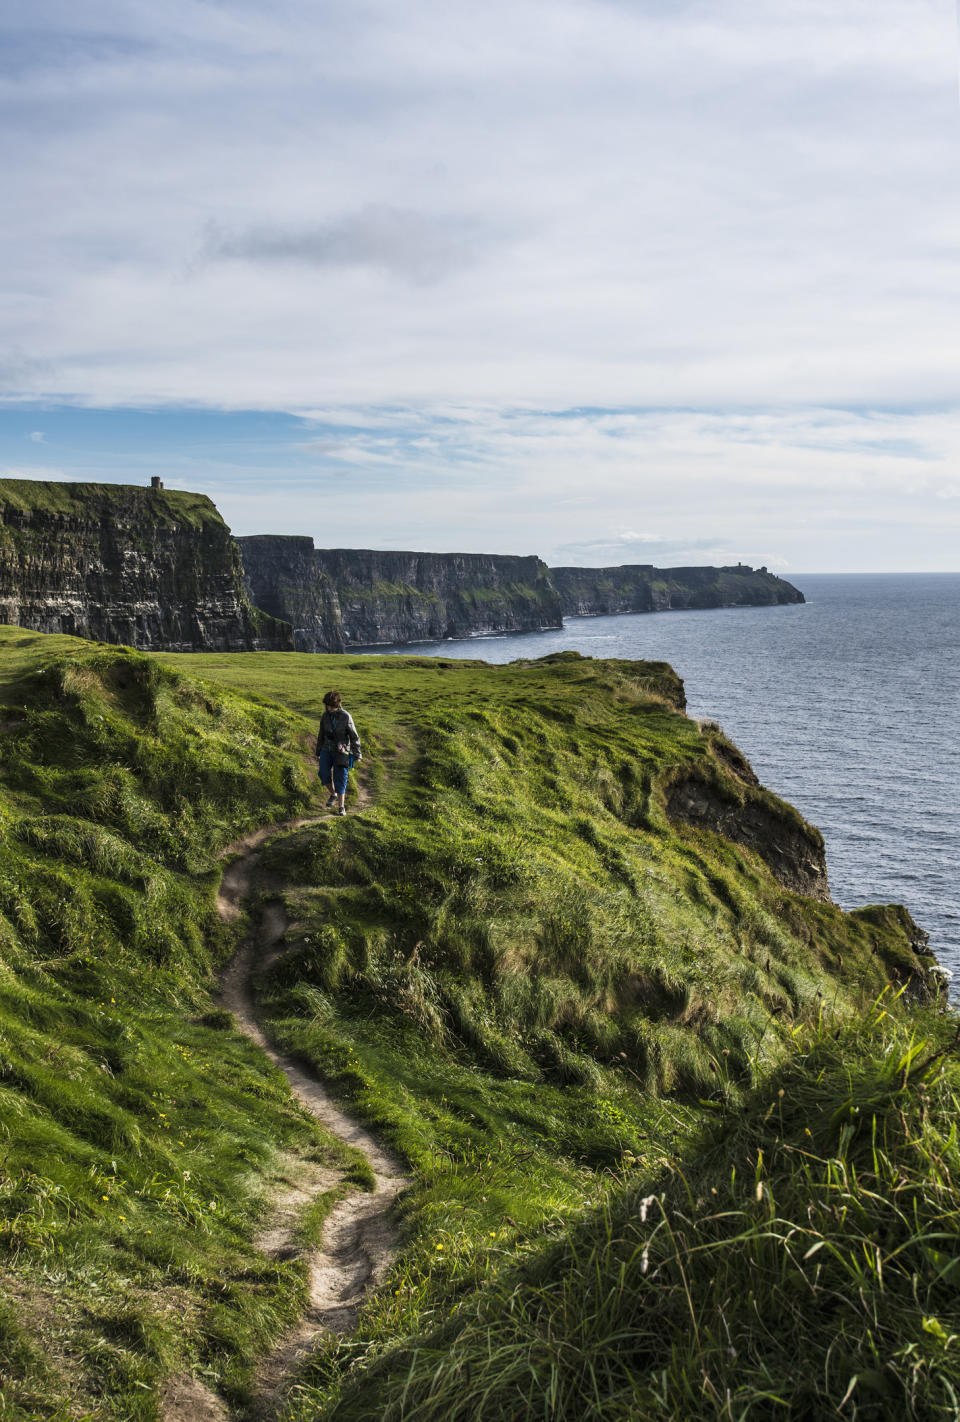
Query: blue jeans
325, 765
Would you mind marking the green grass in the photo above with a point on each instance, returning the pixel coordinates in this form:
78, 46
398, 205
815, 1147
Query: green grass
166, 508
139, 1132
513, 964
800, 1260
522, 974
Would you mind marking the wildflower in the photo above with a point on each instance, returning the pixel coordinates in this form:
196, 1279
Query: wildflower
493, 1234
104, 1197
759, 1191
438, 1246
644, 1207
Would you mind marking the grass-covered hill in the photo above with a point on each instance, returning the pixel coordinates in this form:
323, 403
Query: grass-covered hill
670, 1158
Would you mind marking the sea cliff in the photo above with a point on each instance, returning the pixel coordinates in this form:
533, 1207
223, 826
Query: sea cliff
337, 597
158, 569
342, 597
640, 587
151, 568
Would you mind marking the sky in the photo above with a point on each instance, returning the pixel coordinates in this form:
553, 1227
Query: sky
659, 281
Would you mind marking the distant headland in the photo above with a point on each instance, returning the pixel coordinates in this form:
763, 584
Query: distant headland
156, 568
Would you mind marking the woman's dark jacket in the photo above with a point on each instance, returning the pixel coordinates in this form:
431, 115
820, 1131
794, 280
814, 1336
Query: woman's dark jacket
338, 736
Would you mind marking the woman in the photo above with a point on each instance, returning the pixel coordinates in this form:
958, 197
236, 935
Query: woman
338, 747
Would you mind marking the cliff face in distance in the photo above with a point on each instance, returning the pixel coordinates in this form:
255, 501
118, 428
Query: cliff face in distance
640, 587
145, 567
340, 597
362, 597
158, 569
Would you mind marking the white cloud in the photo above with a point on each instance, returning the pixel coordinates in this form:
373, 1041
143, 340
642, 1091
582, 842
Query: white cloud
814, 490
698, 204
707, 229
37, 436
393, 240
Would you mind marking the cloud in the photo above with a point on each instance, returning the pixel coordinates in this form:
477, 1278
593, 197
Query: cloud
554, 202
19, 371
606, 266
620, 548
37, 436
809, 489
403, 243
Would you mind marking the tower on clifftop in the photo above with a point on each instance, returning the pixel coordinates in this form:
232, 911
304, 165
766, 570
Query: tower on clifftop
156, 482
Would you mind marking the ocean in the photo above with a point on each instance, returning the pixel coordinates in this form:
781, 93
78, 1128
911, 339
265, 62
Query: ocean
848, 706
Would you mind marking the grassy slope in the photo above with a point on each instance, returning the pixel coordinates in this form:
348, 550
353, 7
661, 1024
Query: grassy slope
801, 1260
536, 986
136, 1134
539, 990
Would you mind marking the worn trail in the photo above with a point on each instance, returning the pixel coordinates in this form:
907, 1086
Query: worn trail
358, 1239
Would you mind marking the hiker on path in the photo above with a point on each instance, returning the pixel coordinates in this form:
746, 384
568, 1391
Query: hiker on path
338, 748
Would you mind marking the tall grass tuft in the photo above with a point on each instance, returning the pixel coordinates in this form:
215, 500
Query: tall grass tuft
800, 1259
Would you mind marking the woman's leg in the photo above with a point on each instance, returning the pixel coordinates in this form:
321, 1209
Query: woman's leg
340, 783
325, 769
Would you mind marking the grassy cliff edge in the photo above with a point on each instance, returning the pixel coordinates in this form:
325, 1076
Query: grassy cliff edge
618, 1040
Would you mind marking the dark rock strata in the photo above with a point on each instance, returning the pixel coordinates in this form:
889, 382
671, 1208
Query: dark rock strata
640, 587
731, 802
362, 597
145, 567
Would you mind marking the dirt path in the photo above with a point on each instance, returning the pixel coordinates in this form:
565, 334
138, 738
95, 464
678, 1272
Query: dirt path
358, 1239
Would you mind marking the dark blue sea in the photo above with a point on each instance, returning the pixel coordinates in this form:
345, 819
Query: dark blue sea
847, 706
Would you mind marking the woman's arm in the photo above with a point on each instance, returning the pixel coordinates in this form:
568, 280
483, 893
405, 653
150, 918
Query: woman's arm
354, 738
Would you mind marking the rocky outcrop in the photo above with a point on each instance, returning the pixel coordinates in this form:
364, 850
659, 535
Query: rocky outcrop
145, 567
283, 576
640, 587
727, 799
361, 597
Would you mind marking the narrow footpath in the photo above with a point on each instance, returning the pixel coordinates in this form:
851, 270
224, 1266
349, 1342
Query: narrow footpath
358, 1237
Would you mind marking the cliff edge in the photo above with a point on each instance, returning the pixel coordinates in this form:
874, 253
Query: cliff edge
339, 597
151, 568
640, 587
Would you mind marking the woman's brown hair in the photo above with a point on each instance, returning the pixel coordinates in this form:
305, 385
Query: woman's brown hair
332, 700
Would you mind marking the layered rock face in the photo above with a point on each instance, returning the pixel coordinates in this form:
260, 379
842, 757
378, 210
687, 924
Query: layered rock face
640, 587
361, 597
730, 801
283, 576
145, 567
